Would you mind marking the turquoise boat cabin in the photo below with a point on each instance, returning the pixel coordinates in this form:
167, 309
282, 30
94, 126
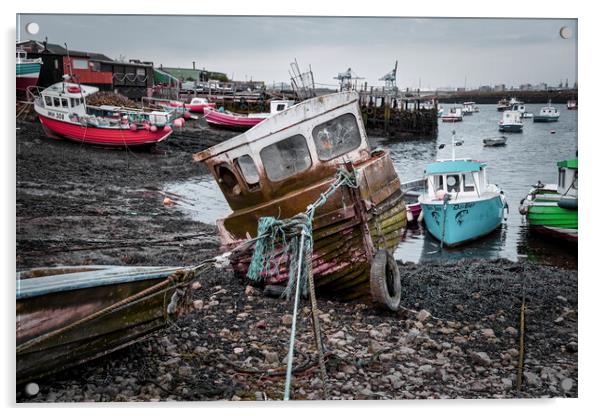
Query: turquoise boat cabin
459, 204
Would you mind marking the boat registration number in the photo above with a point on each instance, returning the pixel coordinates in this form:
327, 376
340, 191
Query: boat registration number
58, 116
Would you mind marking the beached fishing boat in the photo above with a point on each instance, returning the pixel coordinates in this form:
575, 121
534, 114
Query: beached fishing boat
547, 114
28, 71
234, 121
69, 315
459, 204
289, 163
511, 122
553, 208
411, 191
196, 105
495, 141
63, 112
454, 115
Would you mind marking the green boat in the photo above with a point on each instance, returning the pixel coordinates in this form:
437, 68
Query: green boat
553, 208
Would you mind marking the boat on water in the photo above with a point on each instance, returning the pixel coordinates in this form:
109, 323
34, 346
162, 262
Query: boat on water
571, 105
282, 166
439, 111
459, 204
235, 121
468, 108
411, 191
64, 113
66, 316
495, 141
553, 208
454, 115
196, 105
547, 114
503, 105
28, 70
511, 122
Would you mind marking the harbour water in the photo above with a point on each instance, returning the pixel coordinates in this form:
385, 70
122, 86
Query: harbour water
527, 157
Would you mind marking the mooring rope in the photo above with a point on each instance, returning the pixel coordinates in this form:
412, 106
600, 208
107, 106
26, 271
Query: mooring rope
294, 236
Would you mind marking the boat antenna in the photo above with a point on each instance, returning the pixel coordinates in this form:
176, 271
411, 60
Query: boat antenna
453, 144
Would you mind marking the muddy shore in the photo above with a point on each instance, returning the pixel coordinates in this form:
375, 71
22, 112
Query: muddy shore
457, 335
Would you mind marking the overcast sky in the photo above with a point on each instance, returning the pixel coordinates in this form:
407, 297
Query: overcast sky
431, 52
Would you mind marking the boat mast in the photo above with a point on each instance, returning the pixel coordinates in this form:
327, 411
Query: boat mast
453, 145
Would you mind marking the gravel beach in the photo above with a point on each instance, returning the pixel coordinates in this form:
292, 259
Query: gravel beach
457, 335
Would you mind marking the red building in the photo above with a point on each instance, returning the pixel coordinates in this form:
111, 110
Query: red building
132, 79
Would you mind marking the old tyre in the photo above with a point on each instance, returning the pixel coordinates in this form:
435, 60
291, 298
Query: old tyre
385, 281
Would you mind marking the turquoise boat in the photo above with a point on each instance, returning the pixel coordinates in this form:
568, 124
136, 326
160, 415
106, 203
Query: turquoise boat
27, 70
553, 208
459, 204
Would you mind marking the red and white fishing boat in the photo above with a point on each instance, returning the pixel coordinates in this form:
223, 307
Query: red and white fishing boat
196, 105
235, 121
63, 112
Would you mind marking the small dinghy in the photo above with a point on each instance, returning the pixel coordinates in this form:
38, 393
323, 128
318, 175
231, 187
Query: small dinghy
495, 141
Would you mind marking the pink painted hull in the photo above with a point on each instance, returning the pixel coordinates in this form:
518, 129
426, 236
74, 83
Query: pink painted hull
415, 209
195, 108
24, 82
229, 120
103, 136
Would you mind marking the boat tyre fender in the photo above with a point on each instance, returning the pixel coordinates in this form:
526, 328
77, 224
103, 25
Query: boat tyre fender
385, 281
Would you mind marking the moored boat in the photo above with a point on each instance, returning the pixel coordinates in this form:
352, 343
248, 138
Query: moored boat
571, 104
553, 208
453, 115
234, 121
459, 204
27, 72
67, 316
511, 122
289, 163
468, 108
64, 112
495, 141
503, 105
547, 114
196, 105
411, 191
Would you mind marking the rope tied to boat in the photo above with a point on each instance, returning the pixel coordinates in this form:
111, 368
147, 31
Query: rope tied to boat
295, 237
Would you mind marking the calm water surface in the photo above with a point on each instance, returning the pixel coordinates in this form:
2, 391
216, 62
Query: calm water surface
527, 157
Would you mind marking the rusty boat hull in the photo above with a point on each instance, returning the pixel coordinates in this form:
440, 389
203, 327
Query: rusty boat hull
68, 316
353, 223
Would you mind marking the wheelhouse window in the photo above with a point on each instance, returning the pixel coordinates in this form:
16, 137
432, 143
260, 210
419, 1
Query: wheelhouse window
336, 137
248, 169
56, 102
286, 158
453, 183
48, 100
280, 107
469, 185
561, 178
80, 64
75, 102
64, 103
227, 179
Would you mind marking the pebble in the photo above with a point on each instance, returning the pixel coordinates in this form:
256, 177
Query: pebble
532, 379
423, 315
488, 332
511, 331
287, 320
480, 358
567, 384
